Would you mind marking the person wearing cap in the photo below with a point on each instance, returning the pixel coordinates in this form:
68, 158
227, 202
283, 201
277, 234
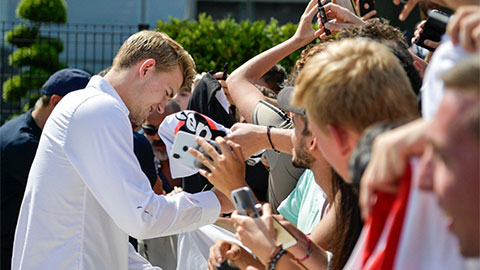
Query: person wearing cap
19, 139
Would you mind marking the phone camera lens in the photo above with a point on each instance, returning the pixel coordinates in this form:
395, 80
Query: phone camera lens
185, 148
177, 156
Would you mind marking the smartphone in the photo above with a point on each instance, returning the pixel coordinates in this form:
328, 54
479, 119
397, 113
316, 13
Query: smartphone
225, 71
243, 200
227, 265
434, 28
366, 6
323, 17
185, 140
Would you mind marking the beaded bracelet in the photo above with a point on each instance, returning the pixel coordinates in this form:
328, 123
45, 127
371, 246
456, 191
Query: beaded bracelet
273, 254
308, 252
273, 262
270, 139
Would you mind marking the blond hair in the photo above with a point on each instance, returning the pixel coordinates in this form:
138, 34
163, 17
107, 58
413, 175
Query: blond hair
354, 83
167, 53
464, 77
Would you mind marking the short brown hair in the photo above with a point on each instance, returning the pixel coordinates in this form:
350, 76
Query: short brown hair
305, 55
374, 29
354, 83
167, 53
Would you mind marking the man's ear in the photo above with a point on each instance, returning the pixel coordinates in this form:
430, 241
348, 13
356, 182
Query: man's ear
147, 65
419, 68
313, 145
54, 99
340, 138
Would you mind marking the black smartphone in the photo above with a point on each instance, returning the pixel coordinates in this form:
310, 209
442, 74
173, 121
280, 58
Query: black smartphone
366, 6
227, 265
323, 17
434, 28
225, 71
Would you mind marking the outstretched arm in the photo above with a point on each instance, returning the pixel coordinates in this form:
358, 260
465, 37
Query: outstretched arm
253, 138
241, 82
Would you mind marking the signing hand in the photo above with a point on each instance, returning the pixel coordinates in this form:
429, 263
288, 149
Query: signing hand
222, 250
227, 170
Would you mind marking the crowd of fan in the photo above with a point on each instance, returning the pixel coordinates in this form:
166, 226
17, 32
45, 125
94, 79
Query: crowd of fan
366, 153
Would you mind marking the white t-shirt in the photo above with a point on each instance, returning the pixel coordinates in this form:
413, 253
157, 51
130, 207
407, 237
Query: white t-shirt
444, 58
86, 191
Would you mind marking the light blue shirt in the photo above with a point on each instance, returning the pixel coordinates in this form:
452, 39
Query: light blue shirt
306, 204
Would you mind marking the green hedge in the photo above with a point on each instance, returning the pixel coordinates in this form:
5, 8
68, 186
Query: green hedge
17, 86
41, 55
43, 10
22, 35
213, 43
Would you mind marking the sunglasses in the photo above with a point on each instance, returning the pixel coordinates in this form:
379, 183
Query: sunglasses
149, 130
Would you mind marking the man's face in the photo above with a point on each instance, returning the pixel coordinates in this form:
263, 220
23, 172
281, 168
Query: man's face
329, 149
182, 99
456, 176
301, 158
156, 88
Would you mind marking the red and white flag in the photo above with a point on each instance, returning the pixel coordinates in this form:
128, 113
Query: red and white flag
407, 230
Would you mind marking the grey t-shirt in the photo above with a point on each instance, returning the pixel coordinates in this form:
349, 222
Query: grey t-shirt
283, 175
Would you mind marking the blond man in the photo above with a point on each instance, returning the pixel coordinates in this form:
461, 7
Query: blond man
86, 192
349, 86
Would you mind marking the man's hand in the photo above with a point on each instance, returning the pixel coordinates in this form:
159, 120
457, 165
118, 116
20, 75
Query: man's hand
222, 250
258, 234
339, 17
407, 8
305, 32
227, 170
251, 138
418, 32
464, 28
390, 153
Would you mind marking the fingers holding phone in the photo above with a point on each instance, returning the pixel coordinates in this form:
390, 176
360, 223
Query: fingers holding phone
337, 18
226, 170
258, 234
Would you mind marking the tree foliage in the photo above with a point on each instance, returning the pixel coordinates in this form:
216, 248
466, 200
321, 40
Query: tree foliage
213, 43
43, 10
36, 56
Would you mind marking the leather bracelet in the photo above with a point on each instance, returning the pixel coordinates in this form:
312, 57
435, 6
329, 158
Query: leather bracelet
273, 262
270, 139
308, 252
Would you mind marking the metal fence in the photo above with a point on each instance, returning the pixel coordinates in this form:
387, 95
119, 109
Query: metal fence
85, 46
